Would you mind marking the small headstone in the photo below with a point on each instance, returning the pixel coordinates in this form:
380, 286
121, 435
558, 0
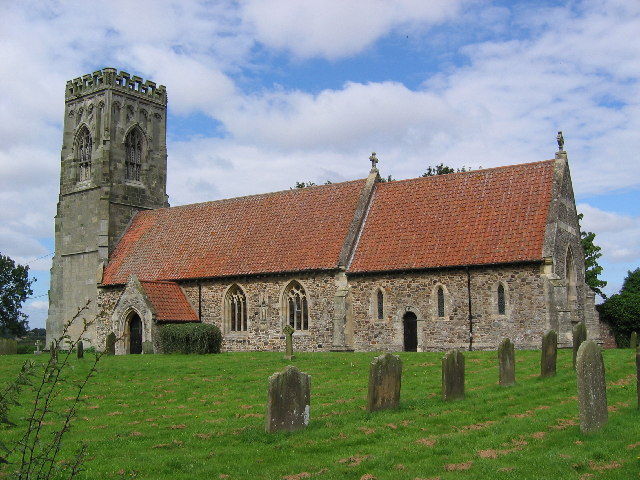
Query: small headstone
147, 347
111, 344
638, 373
549, 354
8, 346
592, 387
53, 350
37, 350
633, 340
80, 349
579, 336
288, 400
506, 363
385, 375
288, 332
453, 376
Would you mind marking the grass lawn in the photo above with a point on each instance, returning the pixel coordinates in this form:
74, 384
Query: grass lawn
202, 417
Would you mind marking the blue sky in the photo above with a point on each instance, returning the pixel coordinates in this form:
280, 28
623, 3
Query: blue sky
264, 94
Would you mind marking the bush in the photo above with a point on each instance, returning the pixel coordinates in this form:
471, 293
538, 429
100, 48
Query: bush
190, 338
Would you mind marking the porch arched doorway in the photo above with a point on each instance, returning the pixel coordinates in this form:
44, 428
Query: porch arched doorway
135, 334
410, 328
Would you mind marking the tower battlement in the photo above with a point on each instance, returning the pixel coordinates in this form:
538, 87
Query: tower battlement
110, 78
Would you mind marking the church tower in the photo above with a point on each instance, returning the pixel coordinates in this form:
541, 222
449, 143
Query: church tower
113, 164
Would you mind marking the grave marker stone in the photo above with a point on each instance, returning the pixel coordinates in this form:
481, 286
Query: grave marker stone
80, 349
288, 332
579, 336
288, 400
8, 346
37, 351
592, 388
147, 347
506, 363
638, 373
453, 376
633, 341
385, 375
53, 350
549, 354
110, 348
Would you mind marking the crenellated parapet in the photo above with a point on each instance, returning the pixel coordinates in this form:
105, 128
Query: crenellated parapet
110, 78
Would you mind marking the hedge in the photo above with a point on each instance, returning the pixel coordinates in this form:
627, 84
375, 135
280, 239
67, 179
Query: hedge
190, 338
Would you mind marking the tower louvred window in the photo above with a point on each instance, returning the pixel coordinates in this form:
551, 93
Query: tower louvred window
133, 146
84, 148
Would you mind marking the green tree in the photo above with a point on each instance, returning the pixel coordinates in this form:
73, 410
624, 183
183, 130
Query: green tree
15, 287
591, 267
622, 310
442, 170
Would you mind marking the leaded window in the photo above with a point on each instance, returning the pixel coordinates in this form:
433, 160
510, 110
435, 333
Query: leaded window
236, 309
501, 301
133, 145
440, 302
84, 147
297, 307
380, 305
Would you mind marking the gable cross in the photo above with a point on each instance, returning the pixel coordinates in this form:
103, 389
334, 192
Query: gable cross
374, 160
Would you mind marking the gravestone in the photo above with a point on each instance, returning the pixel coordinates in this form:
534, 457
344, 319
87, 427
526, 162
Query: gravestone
288, 400
579, 336
638, 373
506, 363
633, 341
385, 375
549, 354
37, 351
53, 350
592, 388
453, 376
288, 332
110, 348
8, 346
80, 349
147, 347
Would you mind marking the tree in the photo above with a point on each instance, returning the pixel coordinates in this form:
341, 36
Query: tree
442, 170
622, 310
591, 255
15, 287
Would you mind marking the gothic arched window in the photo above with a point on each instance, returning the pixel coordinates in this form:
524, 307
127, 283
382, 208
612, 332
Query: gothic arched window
133, 146
440, 302
236, 310
380, 305
83, 154
501, 300
297, 307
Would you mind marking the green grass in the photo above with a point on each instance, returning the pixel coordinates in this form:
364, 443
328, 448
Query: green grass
202, 417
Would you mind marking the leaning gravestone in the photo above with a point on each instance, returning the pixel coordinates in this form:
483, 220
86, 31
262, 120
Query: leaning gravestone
579, 336
385, 375
8, 346
506, 363
633, 340
453, 376
592, 387
111, 344
288, 400
80, 349
549, 354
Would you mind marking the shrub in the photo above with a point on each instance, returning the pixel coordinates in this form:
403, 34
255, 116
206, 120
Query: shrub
190, 338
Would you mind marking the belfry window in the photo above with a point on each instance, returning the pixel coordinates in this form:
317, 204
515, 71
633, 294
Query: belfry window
501, 301
297, 307
133, 145
236, 310
380, 305
84, 148
440, 302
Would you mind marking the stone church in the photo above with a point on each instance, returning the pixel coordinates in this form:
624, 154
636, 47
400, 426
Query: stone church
431, 263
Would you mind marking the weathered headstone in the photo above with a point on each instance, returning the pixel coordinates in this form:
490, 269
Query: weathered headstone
453, 376
288, 400
80, 349
37, 350
638, 373
549, 354
633, 340
288, 332
579, 336
147, 347
592, 387
385, 376
110, 348
506, 363
8, 346
53, 350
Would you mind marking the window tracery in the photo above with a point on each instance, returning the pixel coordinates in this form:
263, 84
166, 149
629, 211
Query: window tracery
297, 307
84, 148
236, 310
133, 146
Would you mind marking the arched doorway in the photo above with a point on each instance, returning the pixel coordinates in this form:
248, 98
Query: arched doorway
135, 334
410, 324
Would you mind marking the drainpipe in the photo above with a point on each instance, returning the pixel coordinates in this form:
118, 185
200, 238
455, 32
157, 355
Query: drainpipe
470, 317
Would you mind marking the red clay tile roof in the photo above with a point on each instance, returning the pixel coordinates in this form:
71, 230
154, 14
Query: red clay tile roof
293, 230
488, 216
169, 302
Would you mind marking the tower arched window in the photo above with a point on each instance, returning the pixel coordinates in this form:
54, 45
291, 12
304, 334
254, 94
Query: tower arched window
501, 300
133, 146
297, 307
440, 302
380, 305
83, 154
236, 310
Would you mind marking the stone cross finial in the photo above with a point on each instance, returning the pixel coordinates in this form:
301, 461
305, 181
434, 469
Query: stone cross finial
37, 345
560, 140
374, 160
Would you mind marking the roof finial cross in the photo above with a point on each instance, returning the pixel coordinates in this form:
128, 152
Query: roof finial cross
374, 160
560, 140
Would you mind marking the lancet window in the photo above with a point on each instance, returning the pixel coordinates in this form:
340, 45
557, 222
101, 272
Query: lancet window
380, 298
84, 148
501, 300
440, 302
133, 145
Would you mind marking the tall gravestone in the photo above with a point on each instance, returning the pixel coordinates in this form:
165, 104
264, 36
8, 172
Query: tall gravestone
110, 348
579, 336
80, 349
633, 340
288, 400
53, 350
592, 387
506, 363
453, 376
385, 376
549, 354
288, 333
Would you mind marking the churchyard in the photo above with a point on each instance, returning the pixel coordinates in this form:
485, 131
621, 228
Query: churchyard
185, 417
